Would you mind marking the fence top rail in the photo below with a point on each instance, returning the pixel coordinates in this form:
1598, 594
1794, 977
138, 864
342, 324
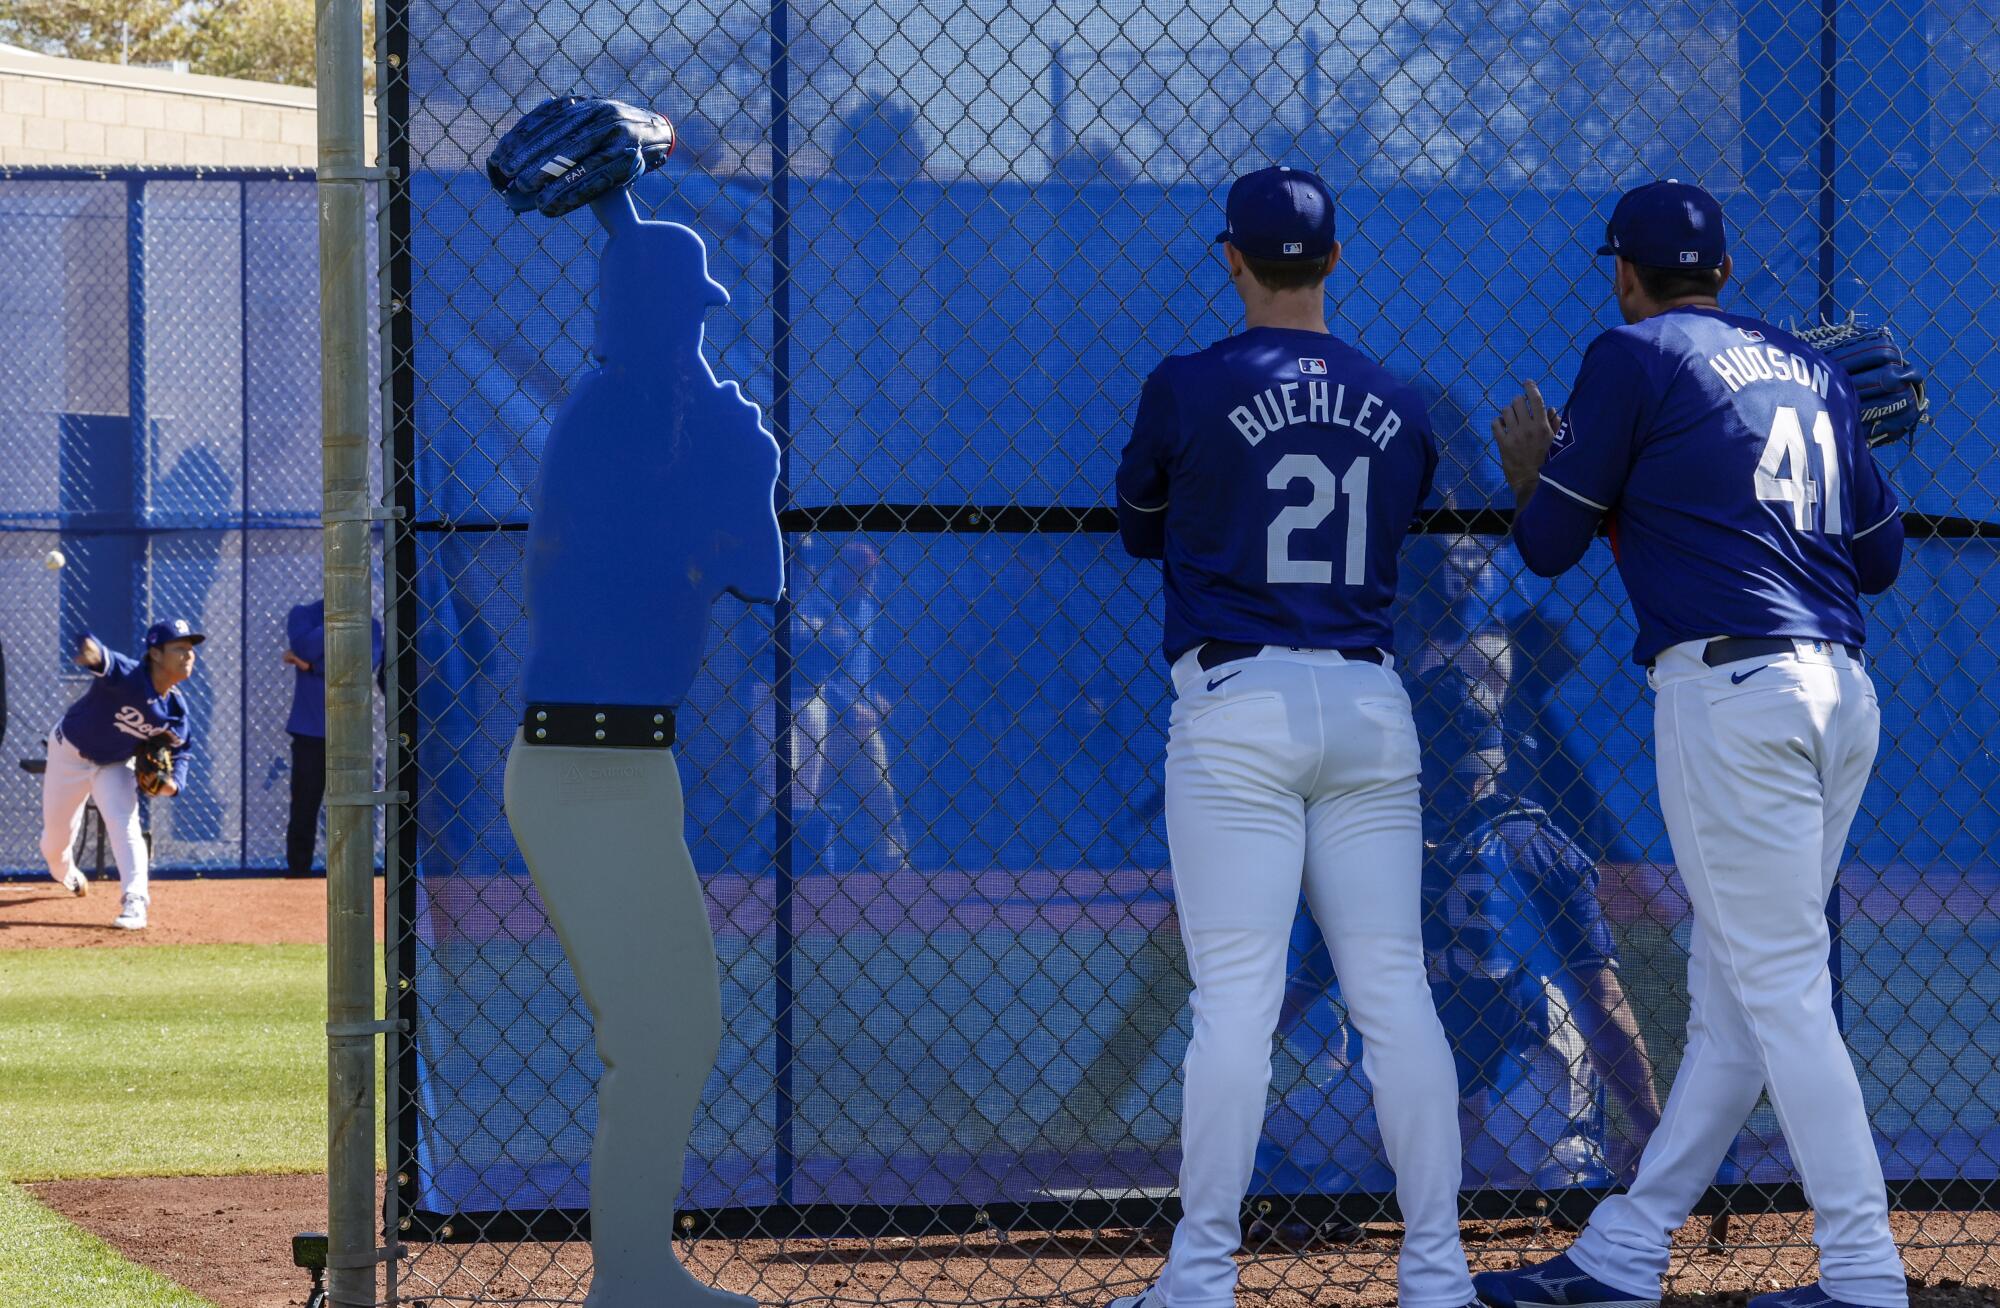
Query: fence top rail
149, 173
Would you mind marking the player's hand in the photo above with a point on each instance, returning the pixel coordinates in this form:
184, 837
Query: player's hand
89, 654
1523, 432
294, 661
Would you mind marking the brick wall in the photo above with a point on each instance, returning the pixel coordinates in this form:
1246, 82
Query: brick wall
68, 111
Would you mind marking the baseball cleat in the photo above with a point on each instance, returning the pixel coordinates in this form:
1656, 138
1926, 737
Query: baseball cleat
1806, 1296
77, 884
131, 915
1557, 1283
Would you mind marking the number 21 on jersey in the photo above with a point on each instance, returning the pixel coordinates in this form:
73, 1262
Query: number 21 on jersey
1785, 473
1327, 489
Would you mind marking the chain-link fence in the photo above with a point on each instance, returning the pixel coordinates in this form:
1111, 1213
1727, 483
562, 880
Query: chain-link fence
925, 792
159, 425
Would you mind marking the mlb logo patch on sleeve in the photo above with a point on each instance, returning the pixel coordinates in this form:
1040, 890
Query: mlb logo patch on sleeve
1313, 367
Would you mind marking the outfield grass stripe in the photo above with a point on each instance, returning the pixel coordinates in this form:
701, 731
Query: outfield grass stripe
183, 1060
49, 1262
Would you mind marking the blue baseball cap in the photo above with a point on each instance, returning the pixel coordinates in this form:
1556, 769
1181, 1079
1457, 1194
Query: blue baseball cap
1670, 224
1281, 214
173, 629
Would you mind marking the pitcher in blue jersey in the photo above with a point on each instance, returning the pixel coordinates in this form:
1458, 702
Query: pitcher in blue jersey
1747, 516
132, 703
1276, 474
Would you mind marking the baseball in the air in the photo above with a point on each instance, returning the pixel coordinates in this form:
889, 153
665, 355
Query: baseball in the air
53, 560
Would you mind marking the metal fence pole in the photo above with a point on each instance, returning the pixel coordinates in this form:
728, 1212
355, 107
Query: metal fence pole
343, 305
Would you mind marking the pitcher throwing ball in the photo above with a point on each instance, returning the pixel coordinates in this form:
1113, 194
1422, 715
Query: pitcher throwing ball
1276, 473
1748, 518
134, 712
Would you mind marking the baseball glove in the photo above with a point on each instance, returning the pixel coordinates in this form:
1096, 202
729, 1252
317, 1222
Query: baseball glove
155, 767
1891, 389
568, 151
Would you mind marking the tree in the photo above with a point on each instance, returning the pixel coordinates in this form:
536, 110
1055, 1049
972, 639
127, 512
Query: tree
257, 40
108, 31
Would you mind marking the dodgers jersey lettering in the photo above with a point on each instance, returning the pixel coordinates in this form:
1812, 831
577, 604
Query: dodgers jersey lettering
121, 711
1729, 457
1283, 469
1514, 898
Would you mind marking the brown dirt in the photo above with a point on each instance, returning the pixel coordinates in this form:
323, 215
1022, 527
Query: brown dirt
229, 1238
229, 910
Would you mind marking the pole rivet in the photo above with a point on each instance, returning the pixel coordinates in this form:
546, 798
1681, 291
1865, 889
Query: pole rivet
541, 715
402, 1178
541, 733
659, 719
687, 1223
659, 735
599, 733
403, 1224
402, 983
395, 60
600, 718
444, 1232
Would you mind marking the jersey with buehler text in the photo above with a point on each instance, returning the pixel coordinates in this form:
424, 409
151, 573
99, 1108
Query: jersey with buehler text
1729, 457
1276, 473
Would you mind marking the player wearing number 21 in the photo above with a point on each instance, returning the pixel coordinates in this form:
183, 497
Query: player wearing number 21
1748, 517
1276, 474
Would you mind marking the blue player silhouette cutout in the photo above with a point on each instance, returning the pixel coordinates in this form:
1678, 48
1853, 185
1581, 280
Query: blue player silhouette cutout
656, 496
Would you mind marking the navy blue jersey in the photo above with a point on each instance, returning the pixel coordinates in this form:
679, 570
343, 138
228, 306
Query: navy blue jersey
121, 711
1515, 895
1276, 472
1512, 902
1729, 457
305, 632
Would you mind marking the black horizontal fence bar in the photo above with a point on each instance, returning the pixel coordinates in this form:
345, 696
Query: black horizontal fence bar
848, 1221
944, 519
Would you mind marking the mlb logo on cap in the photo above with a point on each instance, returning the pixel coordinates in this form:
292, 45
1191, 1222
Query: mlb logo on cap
1667, 224
1313, 367
1279, 213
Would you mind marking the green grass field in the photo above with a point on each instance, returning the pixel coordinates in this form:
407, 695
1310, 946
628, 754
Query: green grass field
170, 1061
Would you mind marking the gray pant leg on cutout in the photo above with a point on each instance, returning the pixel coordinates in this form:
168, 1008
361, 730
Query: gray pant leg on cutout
601, 832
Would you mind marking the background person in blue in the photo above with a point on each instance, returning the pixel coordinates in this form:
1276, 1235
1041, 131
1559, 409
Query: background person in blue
1276, 474
132, 702
305, 654
1747, 516
1522, 967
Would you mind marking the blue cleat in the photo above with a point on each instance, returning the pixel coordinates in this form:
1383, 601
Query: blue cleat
1558, 1283
1806, 1296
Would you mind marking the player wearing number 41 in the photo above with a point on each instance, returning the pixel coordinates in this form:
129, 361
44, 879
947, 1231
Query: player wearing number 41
133, 707
1276, 473
1747, 516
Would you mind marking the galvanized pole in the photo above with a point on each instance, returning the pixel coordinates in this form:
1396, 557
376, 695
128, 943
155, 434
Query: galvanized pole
350, 859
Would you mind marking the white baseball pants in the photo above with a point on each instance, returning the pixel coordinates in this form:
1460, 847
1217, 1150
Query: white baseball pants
1762, 764
1303, 764
70, 780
